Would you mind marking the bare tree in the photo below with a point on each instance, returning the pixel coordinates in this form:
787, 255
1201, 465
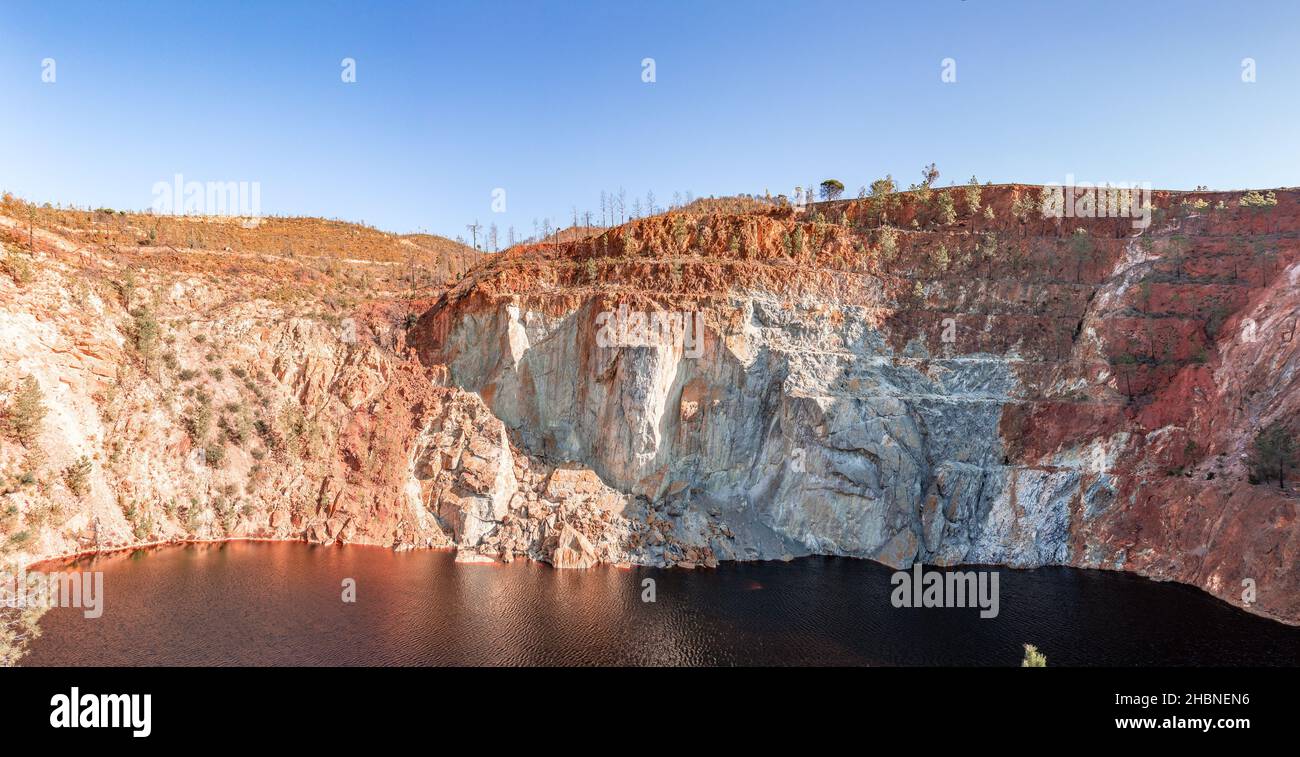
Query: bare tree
492, 237
649, 202
929, 174
473, 231
622, 203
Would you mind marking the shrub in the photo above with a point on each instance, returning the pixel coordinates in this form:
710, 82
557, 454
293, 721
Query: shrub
1272, 454
1258, 200
293, 424
1024, 205
941, 258
24, 418
1080, 242
18, 268
235, 427
882, 193
144, 332
1033, 658
973, 193
888, 244
680, 233
198, 422
77, 476
1215, 320
126, 287
945, 211
214, 455
142, 528
797, 241
989, 245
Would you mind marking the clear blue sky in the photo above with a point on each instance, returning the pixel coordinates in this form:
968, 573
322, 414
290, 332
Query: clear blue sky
546, 100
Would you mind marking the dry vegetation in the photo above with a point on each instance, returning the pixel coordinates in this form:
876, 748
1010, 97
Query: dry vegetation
307, 266
325, 245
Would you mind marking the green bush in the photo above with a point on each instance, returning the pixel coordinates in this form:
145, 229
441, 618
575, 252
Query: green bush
1258, 200
940, 258
888, 244
1272, 454
77, 476
145, 332
198, 422
973, 194
26, 413
945, 211
214, 455
18, 267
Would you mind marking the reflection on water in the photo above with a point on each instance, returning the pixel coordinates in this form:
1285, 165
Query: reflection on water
281, 604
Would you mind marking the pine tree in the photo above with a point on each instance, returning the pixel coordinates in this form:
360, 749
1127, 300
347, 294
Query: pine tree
1273, 453
27, 412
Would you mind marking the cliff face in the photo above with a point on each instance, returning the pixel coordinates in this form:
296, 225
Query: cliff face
688, 388
1017, 392
188, 393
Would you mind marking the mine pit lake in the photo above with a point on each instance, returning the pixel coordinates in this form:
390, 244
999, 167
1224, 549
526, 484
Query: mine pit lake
248, 603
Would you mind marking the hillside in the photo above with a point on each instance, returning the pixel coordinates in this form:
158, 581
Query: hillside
877, 378
998, 387
330, 246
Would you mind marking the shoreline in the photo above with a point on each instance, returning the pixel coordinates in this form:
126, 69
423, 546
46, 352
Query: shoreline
71, 557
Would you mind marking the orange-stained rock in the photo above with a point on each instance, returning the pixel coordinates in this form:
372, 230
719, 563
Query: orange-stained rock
572, 550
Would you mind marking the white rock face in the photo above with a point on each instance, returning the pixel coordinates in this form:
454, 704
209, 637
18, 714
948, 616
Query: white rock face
793, 432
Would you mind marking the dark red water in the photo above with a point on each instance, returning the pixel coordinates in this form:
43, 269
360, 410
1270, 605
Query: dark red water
280, 604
